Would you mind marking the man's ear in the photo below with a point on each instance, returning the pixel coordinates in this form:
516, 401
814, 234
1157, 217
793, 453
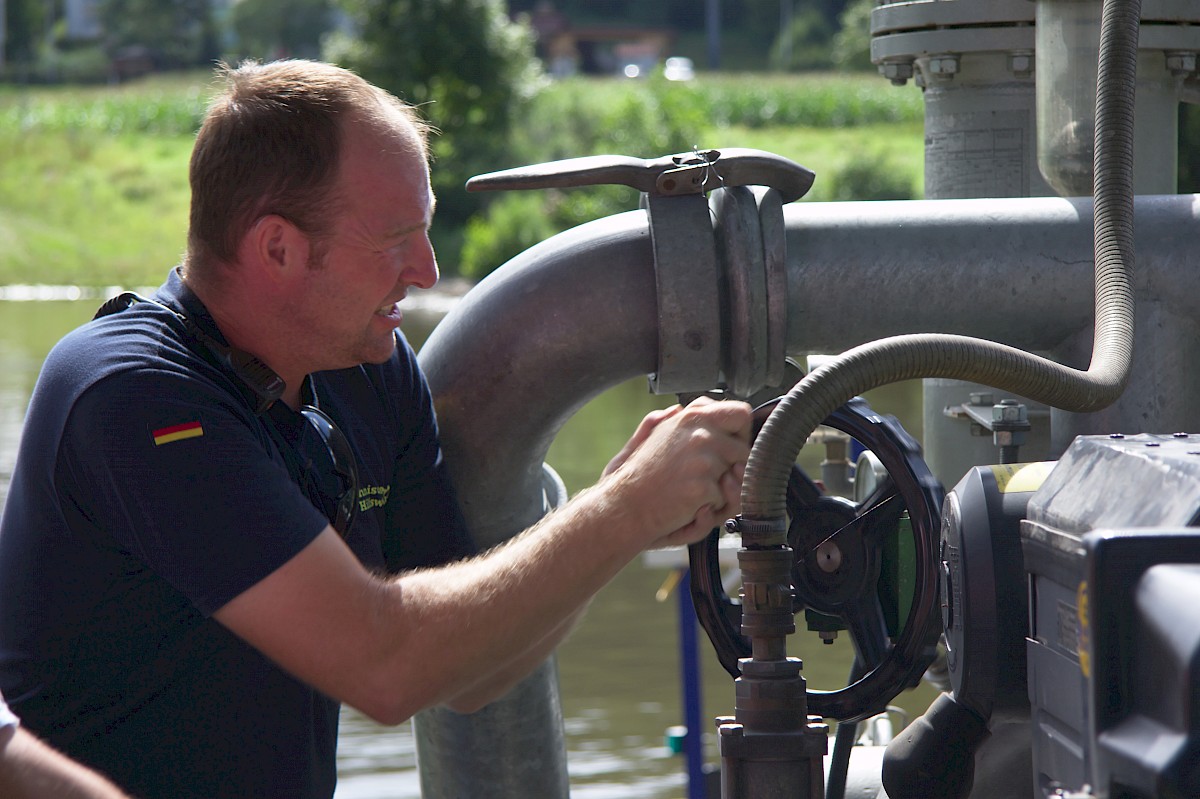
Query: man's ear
276, 245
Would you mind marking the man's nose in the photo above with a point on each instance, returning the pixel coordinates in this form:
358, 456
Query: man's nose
423, 270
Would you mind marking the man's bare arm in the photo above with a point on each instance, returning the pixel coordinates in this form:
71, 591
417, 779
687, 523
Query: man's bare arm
448, 635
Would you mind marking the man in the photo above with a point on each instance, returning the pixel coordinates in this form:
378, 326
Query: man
31, 770
212, 485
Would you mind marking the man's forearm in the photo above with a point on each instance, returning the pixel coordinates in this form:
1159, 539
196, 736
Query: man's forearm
392, 647
513, 605
495, 685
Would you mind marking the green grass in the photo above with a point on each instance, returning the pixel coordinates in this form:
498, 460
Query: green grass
93, 188
899, 148
92, 209
810, 99
93, 180
171, 103
93, 184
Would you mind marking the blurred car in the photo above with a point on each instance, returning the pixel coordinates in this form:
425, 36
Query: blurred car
679, 68
674, 68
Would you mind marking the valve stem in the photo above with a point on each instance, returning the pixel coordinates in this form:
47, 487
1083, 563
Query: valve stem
770, 746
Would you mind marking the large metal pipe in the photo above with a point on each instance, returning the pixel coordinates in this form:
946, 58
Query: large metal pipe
1014, 270
1017, 271
529, 346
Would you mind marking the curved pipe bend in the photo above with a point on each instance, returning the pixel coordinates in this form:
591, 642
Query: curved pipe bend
564, 321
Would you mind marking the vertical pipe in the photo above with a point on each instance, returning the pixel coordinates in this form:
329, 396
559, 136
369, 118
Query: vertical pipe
984, 100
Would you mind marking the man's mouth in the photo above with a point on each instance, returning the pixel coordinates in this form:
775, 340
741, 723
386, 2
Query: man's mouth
390, 311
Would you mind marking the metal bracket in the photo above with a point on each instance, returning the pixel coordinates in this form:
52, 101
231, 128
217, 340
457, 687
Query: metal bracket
1007, 421
688, 276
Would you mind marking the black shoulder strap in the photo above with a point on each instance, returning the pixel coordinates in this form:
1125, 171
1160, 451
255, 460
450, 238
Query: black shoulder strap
261, 386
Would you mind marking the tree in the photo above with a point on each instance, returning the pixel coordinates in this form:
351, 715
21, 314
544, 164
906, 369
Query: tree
24, 23
270, 28
175, 32
804, 44
463, 62
852, 43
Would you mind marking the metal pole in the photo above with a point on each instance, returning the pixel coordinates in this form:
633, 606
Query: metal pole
713, 27
689, 666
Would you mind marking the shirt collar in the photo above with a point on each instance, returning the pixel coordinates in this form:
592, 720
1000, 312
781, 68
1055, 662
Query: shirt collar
179, 296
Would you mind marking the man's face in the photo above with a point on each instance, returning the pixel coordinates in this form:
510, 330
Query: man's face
378, 249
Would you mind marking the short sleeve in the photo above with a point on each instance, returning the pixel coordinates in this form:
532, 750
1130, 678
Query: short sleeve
387, 412
7, 719
183, 478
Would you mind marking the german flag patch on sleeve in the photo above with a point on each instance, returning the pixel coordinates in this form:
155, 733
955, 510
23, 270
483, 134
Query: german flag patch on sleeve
177, 432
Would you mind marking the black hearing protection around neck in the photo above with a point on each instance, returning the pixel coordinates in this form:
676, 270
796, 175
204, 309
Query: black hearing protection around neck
261, 386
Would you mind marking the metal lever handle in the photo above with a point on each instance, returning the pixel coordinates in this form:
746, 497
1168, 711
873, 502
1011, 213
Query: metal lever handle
685, 173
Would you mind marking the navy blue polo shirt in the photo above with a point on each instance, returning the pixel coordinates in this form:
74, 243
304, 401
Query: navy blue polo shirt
146, 495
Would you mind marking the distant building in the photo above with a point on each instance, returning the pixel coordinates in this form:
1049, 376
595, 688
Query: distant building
596, 49
82, 19
605, 49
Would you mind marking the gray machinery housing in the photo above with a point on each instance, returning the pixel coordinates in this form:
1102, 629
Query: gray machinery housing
1068, 602
1113, 648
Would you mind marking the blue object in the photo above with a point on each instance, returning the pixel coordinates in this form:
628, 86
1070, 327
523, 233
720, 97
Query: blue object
689, 667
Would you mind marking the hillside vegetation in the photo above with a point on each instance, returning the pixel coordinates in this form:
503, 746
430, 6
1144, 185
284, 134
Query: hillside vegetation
93, 187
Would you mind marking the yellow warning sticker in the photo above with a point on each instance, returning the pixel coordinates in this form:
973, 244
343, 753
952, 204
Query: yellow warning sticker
1017, 478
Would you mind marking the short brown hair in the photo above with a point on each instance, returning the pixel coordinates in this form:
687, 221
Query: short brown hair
270, 144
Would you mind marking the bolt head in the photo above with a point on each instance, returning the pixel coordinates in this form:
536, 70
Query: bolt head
1009, 411
1009, 438
943, 65
898, 72
1021, 64
1181, 63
